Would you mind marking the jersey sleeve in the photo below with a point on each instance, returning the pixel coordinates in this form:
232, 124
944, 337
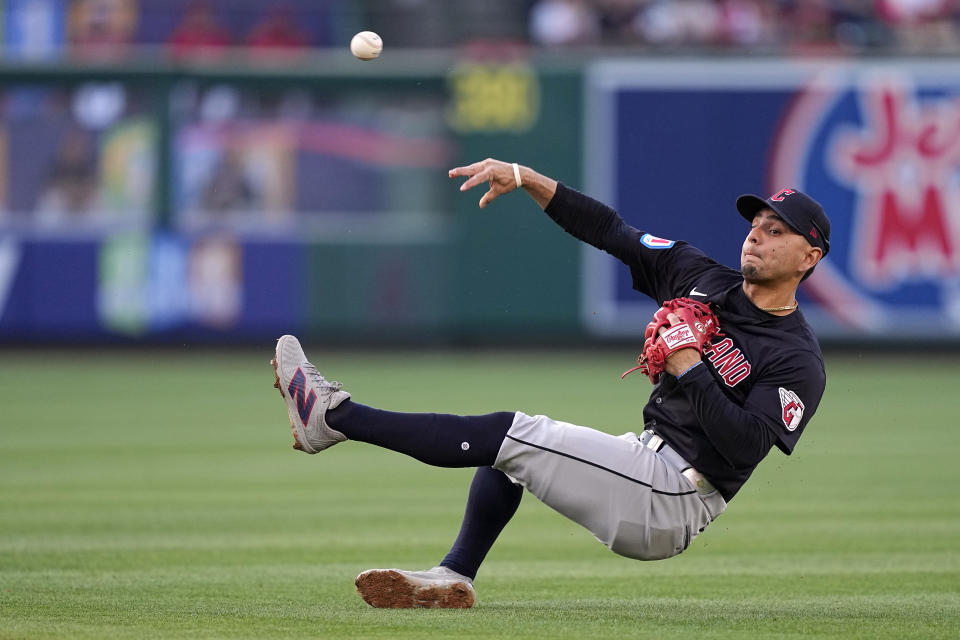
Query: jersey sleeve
660, 268
776, 410
666, 273
788, 395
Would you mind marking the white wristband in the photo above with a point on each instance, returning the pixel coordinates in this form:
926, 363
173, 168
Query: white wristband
516, 174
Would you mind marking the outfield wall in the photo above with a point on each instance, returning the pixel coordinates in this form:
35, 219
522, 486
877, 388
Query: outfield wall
224, 204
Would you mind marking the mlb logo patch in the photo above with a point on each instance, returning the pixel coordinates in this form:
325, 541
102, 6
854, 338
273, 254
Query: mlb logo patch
653, 242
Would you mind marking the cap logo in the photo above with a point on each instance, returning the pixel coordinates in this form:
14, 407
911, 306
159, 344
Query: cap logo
813, 232
780, 195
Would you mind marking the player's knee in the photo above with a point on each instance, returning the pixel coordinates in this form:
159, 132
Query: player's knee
644, 542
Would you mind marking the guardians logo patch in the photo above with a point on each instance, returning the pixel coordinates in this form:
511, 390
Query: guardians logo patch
792, 409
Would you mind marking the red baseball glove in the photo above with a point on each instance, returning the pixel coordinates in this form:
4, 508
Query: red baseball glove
698, 324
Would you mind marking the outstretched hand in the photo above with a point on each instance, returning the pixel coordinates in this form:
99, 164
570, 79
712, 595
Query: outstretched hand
498, 175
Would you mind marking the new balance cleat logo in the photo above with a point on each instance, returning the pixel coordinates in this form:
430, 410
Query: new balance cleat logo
308, 396
298, 392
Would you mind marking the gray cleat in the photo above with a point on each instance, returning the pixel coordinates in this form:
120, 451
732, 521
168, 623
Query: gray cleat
308, 396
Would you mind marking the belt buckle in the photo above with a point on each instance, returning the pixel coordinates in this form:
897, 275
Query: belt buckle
652, 441
700, 481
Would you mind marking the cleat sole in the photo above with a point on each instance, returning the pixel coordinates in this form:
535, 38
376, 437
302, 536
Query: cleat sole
389, 589
278, 387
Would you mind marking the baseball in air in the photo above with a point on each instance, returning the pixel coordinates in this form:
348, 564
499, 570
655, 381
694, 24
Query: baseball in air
366, 45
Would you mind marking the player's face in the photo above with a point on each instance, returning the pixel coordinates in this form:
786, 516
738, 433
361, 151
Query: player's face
772, 252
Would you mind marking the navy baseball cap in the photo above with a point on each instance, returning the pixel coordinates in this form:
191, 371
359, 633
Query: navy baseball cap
797, 209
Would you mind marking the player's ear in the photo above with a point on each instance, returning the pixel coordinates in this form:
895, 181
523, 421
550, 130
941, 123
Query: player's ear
811, 258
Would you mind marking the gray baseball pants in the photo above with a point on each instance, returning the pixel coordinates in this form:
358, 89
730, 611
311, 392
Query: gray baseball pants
634, 499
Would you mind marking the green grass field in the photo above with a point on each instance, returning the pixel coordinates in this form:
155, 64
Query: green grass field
156, 495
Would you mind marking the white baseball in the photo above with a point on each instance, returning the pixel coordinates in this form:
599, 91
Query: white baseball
366, 45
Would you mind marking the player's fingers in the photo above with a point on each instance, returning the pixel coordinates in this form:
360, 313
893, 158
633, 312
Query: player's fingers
674, 319
488, 198
475, 179
468, 170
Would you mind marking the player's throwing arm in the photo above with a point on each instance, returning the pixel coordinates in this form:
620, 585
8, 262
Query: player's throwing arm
504, 177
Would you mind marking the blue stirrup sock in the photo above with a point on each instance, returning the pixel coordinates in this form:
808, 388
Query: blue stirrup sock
492, 502
446, 440
438, 439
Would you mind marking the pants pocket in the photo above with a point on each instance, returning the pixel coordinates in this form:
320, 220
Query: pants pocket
645, 542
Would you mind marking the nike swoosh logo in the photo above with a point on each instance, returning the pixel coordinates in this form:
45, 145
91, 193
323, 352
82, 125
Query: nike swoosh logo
694, 292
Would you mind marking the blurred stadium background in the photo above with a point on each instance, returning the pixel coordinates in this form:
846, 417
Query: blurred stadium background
211, 171
177, 175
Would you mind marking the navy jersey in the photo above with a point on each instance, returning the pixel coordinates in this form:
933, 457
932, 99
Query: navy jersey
759, 383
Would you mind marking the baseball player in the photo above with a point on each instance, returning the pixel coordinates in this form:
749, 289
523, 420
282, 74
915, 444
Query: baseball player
721, 402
